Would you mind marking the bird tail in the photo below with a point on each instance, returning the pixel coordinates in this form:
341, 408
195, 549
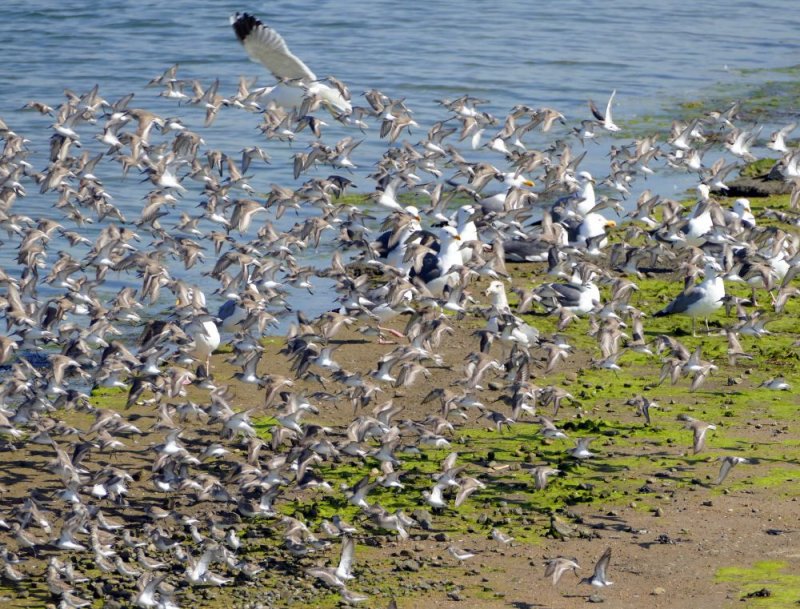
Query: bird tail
663, 312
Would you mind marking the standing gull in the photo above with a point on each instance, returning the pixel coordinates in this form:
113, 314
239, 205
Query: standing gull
438, 270
699, 300
203, 329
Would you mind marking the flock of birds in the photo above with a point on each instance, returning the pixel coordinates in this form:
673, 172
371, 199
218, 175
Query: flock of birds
167, 518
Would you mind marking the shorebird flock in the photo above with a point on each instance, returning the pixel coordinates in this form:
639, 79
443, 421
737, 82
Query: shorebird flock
139, 494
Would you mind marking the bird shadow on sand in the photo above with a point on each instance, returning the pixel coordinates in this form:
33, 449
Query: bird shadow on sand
348, 341
585, 597
606, 521
661, 540
13, 473
587, 469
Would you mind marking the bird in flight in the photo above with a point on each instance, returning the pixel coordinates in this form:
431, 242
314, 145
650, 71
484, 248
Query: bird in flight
606, 121
600, 577
298, 85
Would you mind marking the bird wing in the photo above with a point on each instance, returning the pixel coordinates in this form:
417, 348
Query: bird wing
558, 566
788, 129
450, 461
684, 300
726, 466
430, 269
467, 488
568, 295
597, 114
602, 566
550, 569
699, 436
346, 560
608, 107
265, 45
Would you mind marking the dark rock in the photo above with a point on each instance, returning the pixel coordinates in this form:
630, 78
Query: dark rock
664, 539
424, 518
757, 186
408, 565
762, 593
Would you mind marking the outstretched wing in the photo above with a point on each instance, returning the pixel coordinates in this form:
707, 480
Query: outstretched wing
726, 466
601, 568
607, 116
346, 560
265, 45
595, 112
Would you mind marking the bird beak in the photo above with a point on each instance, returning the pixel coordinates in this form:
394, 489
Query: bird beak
611, 224
529, 183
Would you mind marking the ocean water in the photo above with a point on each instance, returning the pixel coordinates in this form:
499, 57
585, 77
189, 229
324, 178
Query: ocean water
554, 54
557, 54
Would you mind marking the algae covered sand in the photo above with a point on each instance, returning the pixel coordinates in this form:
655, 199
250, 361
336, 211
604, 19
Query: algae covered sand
677, 538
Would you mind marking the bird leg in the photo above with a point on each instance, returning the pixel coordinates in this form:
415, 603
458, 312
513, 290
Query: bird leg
205, 369
393, 332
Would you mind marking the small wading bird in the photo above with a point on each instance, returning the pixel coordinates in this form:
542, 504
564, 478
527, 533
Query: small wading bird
556, 567
699, 429
728, 463
600, 576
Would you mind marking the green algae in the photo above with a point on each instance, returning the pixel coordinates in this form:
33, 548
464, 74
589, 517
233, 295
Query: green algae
23, 596
761, 167
766, 584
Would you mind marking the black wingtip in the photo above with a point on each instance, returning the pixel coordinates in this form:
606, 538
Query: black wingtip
595, 112
243, 24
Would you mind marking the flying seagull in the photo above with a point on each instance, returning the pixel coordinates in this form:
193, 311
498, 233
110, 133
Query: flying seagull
297, 82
